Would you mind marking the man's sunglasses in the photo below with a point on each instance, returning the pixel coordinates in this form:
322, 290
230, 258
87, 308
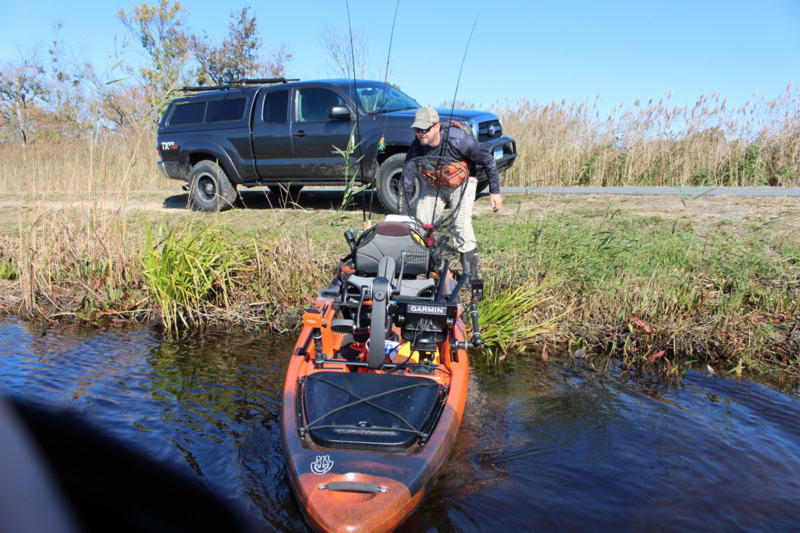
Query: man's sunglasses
420, 130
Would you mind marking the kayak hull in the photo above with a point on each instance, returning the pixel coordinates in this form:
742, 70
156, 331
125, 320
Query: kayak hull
342, 489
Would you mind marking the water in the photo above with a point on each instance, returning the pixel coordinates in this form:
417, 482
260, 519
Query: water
555, 448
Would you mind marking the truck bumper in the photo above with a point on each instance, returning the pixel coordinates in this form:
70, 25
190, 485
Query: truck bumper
504, 151
171, 170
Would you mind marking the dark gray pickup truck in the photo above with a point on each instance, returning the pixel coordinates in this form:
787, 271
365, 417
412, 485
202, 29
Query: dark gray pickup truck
281, 134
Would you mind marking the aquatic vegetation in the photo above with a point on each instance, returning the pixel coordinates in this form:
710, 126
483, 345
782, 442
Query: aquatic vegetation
509, 319
351, 170
188, 268
8, 270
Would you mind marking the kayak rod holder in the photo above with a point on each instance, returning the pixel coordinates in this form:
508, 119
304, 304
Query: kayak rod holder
313, 319
442, 281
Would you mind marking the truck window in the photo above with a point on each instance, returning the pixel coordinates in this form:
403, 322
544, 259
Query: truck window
313, 104
188, 114
379, 97
226, 110
276, 106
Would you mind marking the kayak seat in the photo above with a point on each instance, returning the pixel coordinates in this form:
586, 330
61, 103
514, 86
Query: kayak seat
367, 411
419, 289
391, 239
359, 288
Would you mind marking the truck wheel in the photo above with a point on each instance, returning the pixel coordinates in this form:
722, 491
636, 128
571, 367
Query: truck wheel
210, 188
390, 176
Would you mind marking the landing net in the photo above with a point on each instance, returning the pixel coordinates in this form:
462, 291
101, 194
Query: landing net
434, 201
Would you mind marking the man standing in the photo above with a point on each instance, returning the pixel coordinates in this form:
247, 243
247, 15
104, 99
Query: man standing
449, 142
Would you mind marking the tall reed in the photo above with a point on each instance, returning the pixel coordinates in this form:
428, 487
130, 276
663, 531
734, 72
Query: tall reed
75, 169
77, 262
560, 144
656, 144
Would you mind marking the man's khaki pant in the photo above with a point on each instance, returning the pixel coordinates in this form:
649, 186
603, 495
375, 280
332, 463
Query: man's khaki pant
431, 208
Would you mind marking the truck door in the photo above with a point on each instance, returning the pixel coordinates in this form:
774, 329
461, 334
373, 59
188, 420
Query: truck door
314, 135
272, 142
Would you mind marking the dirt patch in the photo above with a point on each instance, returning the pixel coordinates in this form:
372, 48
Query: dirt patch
711, 211
779, 213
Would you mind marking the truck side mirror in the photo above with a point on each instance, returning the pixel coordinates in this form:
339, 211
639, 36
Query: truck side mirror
339, 112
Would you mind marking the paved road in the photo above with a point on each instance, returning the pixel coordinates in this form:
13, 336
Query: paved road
658, 191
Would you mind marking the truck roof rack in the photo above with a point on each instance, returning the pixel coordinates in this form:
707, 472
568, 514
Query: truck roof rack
236, 84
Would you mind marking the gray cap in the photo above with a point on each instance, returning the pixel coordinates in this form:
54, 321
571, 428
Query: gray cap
425, 118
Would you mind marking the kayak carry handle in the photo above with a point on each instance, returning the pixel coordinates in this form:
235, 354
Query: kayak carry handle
353, 486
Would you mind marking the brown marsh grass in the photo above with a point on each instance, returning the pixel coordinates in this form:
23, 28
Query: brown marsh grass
559, 143
116, 163
86, 261
656, 143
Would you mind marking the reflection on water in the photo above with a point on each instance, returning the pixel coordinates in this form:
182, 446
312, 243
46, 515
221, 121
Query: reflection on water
550, 448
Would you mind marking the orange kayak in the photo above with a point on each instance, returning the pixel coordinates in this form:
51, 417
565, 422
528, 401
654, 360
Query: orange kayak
376, 386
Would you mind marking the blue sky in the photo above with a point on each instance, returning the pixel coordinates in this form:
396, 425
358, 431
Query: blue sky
569, 50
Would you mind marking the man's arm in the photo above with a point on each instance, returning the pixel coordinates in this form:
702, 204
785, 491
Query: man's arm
477, 154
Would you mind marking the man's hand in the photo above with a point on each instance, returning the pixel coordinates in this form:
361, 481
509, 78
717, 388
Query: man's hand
497, 202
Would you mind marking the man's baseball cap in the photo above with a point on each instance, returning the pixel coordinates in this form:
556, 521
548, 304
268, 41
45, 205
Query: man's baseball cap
425, 118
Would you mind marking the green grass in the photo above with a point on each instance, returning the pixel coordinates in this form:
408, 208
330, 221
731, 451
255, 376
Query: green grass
189, 268
648, 290
643, 285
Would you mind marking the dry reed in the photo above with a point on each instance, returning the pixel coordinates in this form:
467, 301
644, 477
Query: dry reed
708, 144
559, 144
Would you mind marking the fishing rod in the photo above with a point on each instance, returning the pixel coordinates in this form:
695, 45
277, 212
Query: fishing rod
446, 135
382, 119
358, 115
458, 82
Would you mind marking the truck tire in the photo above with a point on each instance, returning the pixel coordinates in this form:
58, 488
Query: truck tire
390, 176
210, 189
482, 186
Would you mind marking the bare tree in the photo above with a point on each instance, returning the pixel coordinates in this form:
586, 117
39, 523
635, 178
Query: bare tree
68, 109
23, 92
239, 55
336, 44
163, 34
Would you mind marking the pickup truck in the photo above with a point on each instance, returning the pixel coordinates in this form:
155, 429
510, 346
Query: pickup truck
282, 133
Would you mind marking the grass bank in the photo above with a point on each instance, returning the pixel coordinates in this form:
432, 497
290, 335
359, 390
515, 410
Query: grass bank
654, 282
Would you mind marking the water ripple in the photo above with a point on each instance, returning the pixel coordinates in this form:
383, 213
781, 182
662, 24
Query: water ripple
549, 448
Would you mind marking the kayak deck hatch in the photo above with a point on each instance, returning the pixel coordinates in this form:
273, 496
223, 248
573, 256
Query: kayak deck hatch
365, 411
